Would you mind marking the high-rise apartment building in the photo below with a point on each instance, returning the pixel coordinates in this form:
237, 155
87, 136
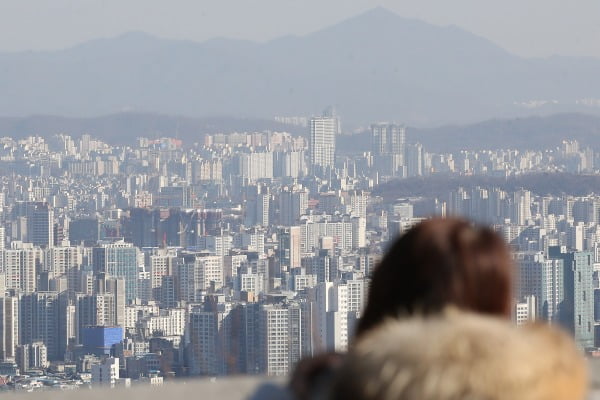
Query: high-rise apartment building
20, 268
289, 247
42, 318
263, 202
210, 272
40, 223
162, 264
254, 166
293, 203
106, 373
9, 327
330, 318
199, 274
218, 245
30, 356
521, 211
387, 138
244, 339
414, 160
169, 322
359, 232
119, 260
64, 261
210, 339
577, 309
274, 337
388, 144
544, 279
356, 202
323, 132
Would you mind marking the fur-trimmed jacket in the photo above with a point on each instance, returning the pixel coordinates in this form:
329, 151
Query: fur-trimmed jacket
462, 356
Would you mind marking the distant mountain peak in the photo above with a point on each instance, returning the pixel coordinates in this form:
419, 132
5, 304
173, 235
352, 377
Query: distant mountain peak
125, 39
381, 15
378, 11
375, 66
379, 20
130, 35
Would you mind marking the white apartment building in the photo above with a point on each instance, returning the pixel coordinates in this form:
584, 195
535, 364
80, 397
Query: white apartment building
106, 373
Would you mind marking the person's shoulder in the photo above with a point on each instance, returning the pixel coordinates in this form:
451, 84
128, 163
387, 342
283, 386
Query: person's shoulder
313, 376
470, 353
271, 391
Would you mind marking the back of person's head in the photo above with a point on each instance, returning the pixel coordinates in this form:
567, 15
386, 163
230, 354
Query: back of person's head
461, 356
441, 262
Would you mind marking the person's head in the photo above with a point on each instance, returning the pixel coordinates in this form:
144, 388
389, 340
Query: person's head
457, 355
437, 263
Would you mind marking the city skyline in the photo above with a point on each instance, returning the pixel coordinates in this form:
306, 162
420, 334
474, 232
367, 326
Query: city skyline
205, 190
242, 254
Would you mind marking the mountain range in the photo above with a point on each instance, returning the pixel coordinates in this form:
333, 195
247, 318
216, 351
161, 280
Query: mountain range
525, 133
122, 128
375, 66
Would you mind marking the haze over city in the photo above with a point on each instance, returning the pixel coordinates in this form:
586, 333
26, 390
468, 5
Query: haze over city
375, 65
247, 195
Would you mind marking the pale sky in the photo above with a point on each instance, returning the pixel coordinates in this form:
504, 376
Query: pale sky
523, 27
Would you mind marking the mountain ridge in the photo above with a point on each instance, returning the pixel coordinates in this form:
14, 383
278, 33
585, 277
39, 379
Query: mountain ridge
375, 66
523, 133
122, 128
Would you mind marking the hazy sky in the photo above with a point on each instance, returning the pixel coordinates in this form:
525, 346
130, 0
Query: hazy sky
524, 27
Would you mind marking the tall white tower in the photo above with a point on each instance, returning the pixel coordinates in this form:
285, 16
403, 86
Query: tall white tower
323, 131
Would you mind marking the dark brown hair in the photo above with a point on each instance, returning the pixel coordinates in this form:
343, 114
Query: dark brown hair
437, 263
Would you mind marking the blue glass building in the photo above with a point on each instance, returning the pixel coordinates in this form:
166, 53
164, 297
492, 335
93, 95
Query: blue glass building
99, 340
